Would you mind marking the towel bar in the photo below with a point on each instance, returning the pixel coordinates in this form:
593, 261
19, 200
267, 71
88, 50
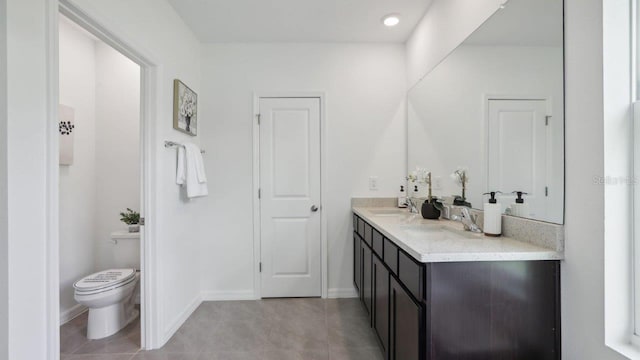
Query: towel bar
168, 144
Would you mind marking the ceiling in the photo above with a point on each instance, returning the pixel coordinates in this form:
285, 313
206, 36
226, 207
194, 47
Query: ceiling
299, 20
522, 23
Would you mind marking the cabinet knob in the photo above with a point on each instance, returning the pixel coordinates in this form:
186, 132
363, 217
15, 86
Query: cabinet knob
314, 208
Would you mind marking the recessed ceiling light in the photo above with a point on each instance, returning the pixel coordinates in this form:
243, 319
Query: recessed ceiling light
391, 20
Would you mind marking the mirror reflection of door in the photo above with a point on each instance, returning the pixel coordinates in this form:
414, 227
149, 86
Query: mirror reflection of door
517, 139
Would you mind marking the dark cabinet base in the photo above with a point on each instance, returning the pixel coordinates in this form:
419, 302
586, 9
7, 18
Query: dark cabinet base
405, 320
493, 310
380, 315
458, 310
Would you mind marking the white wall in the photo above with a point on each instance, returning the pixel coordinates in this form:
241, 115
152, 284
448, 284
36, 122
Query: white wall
27, 184
445, 26
618, 165
365, 123
77, 182
583, 270
447, 114
154, 28
4, 260
117, 155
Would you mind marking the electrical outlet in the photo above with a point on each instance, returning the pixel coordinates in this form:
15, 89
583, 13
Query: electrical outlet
373, 183
437, 183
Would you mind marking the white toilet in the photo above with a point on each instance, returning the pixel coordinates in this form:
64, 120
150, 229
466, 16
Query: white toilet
109, 295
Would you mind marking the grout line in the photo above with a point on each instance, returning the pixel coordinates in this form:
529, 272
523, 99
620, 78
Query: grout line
326, 324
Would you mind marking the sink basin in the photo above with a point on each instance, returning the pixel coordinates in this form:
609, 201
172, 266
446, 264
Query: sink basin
387, 212
436, 232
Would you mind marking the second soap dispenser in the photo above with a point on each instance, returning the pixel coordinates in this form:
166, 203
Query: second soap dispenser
519, 208
492, 215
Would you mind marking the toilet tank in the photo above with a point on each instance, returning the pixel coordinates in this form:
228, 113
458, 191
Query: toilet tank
125, 250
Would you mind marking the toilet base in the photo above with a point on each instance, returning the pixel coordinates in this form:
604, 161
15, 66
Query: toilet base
108, 320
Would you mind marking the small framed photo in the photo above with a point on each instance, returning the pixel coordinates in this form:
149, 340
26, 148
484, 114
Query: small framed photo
185, 108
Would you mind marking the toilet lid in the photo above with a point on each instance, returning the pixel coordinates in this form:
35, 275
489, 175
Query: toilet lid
104, 279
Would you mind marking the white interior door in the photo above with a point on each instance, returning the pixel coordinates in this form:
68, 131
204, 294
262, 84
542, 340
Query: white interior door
517, 144
290, 197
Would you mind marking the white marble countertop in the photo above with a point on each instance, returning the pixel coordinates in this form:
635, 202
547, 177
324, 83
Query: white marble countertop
446, 241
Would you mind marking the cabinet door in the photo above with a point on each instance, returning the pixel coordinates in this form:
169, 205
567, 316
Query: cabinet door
357, 263
405, 322
380, 316
366, 276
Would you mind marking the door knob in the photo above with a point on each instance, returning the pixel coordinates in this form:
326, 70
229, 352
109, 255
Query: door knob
314, 208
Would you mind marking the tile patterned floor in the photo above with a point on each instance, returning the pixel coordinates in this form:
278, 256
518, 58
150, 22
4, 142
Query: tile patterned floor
278, 329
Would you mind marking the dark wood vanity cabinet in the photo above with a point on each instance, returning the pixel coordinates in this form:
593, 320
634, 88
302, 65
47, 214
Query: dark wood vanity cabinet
405, 324
357, 263
366, 277
456, 310
380, 315
494, 310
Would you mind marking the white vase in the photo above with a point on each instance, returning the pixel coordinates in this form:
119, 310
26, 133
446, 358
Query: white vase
134, 228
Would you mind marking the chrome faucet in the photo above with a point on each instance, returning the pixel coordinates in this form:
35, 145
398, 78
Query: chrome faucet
413, 205
467, 220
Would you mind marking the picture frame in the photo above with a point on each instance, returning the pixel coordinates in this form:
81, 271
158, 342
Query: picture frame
185, 108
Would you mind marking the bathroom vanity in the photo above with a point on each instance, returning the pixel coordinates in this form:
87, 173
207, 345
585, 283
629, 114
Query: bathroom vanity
434, 291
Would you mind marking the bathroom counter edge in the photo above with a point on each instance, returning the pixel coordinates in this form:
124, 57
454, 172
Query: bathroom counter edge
426, 250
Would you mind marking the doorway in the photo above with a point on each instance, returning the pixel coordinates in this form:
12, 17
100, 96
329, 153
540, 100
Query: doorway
149, 334
100, 193
291, 258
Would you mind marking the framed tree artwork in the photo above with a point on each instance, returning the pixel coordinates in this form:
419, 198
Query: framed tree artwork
185, 108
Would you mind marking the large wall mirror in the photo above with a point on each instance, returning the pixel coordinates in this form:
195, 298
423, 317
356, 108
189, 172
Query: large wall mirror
495, 107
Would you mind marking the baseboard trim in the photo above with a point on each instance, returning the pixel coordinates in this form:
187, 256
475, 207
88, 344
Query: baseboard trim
70, 314
337, 293
228, 295
181, 318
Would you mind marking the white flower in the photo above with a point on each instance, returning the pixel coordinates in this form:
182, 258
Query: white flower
188, 105
419, 175
460, 175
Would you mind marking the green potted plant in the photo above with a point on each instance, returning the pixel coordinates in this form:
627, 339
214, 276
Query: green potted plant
132, 219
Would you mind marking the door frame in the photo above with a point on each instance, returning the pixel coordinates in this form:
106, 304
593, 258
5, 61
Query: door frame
257, 282
487, 98
150, 107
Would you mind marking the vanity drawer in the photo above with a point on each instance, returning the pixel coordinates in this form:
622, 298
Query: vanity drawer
360, 228
411, 274
377, 245
391, 255
355, 222
368, 233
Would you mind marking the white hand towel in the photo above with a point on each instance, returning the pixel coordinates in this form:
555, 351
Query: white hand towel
193, 152
190, 171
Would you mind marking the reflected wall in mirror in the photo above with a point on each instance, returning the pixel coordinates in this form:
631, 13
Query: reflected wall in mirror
495, 106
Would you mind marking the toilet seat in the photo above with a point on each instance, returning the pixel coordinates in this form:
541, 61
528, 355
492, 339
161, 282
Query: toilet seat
103, 281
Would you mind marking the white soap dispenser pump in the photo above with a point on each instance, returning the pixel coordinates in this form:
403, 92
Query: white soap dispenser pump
402, 198
492, 215
520, 209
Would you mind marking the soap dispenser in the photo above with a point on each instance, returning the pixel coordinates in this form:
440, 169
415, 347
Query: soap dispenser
402, 197
492, 215
520, 208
